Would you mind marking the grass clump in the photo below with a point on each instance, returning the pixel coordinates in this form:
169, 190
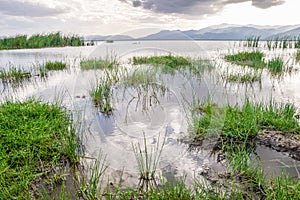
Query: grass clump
14, 73
250, 59
101, 95
298, 56
276, 66
56, 65
173, 62
35, 138
90, 64
245, 122
244, 78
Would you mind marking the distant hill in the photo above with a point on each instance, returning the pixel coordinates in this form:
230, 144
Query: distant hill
217, 32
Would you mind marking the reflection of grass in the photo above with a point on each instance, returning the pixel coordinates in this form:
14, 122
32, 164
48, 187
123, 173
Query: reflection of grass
14, 73
97, 64
35, 137
56, 65
250, 59
248, 77
276, 66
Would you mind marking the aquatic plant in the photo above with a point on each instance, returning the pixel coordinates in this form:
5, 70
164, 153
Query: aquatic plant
101, 95
36, 138
55, 65
248, 77
245, 122
147, 163
250, 59
276, 66
108, 62
173, 62
14, 73
40, 41
298, 56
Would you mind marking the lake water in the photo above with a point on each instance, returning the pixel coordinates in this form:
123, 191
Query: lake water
132, 117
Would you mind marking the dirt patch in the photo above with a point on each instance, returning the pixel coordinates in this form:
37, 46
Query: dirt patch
282, 142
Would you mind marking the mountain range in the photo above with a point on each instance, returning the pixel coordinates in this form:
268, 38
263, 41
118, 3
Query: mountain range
218, 32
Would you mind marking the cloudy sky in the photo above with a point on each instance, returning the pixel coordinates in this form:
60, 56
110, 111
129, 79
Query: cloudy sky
138, 17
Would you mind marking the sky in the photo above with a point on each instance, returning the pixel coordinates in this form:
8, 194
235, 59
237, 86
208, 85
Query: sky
138, 17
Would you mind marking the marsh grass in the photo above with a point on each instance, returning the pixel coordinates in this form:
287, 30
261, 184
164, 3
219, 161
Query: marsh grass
91, 185
173, 62
40, 41
55, 65
251, 59
298, 56
35, 138
252, 41
92, 64
147, 161
14, 73
240, 77
276, 66
101, 95
247, 121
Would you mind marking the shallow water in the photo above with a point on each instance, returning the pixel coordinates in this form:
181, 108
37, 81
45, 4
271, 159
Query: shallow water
134, 114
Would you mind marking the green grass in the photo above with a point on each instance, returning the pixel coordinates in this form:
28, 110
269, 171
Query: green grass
40, 41
298, 56
276, 66
250, 59
174, 62
55, 65
248, 77
240, 123
101, 96
34, 139
14, 73
90, 64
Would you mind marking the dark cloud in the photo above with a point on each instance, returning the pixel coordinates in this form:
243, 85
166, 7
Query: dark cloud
266, 3
18, 8
199, 7
136, 3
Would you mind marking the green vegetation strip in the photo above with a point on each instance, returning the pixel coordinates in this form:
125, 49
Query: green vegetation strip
40, 41
255, 60
14, 73
56, 65
298, 56
245, 122
34, 139
251, 59
97, 64
170, 61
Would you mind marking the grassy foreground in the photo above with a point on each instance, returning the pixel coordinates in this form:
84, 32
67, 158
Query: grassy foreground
34, 139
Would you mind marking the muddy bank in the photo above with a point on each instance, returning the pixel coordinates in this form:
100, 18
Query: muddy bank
282, 142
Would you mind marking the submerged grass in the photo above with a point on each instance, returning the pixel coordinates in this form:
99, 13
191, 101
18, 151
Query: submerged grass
55, 65
248, 77
101, 95
250, 59
276, 66
174, 62
91, 64
298, 56
35, 138
14, 73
